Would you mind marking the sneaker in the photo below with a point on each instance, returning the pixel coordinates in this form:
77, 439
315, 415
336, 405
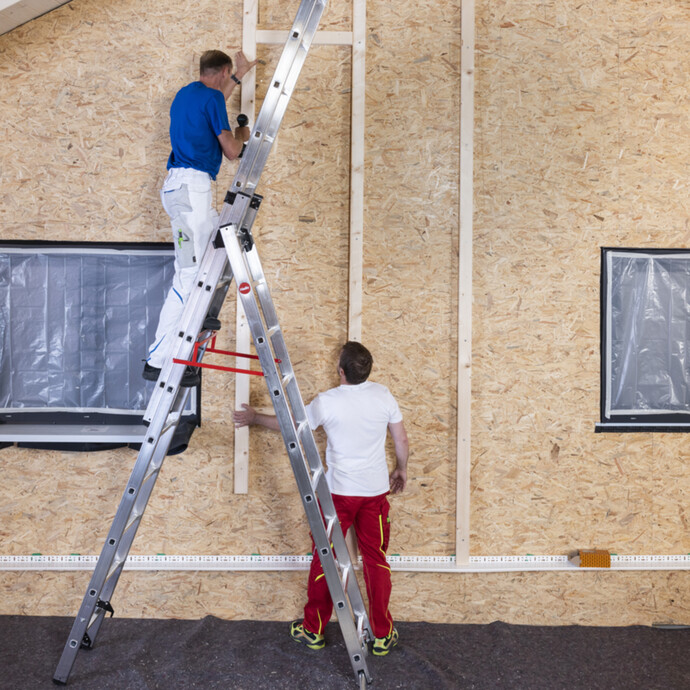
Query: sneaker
383, 645
312, 640
190, 378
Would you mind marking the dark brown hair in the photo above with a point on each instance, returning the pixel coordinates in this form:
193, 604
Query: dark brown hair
356, 362
213, 61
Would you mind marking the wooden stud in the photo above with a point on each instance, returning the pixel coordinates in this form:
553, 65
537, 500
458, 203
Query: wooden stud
462, 510
242, 335
357, 124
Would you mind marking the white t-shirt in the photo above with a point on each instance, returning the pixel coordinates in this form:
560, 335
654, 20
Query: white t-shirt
356, 420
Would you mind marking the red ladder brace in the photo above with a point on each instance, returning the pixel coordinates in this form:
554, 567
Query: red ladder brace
195, 363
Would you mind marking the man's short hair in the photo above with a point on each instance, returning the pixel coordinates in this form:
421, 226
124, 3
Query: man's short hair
356, 362
212, 61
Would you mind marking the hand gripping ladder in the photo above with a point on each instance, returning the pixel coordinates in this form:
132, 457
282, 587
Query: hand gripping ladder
232, 253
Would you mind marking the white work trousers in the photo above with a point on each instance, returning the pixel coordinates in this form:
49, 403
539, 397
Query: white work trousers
187, 199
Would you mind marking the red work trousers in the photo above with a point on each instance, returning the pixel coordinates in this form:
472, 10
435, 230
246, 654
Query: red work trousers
369, 515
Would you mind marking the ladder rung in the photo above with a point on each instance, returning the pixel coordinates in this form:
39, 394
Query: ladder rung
287, 378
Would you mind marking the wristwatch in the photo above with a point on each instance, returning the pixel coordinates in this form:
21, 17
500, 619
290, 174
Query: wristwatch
235, 79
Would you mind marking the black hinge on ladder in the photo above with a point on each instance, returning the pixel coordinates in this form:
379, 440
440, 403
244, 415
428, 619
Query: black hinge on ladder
245, 234
106, 606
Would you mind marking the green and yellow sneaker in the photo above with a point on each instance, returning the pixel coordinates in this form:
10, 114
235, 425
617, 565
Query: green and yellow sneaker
312, 640
383, 645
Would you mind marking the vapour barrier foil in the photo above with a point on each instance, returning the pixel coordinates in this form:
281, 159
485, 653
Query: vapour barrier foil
648, 323
75, 327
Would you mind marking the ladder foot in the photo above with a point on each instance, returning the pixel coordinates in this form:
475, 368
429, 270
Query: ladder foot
59, 682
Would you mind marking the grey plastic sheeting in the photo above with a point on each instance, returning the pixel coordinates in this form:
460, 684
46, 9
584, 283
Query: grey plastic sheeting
75, 327
648, 329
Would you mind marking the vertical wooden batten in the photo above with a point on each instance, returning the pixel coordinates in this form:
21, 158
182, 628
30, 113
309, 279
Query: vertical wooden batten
242, 335
359, 18
462, 510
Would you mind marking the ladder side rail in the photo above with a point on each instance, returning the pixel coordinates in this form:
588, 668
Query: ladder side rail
141, 499
164, 410
342, 554
104, 577
275, 102
164, 399
322, 540
203, 297
342, 605
300, 421
340, 548
281, 353
345, 602
323, 544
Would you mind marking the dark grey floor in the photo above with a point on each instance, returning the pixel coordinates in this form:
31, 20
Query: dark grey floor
212, 653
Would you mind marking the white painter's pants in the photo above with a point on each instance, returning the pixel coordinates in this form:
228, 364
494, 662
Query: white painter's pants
187, 199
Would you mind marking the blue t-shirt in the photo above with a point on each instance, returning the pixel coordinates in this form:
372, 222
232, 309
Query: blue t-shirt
197, 116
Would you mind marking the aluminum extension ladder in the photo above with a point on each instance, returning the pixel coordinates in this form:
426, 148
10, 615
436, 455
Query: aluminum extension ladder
233, 254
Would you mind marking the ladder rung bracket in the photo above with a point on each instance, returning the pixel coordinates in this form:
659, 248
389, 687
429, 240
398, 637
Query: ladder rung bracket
302, 427
316, 476
329, 527
115, 569
345, 576
133, 519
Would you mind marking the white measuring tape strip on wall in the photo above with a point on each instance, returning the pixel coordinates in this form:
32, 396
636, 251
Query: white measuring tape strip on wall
486, 564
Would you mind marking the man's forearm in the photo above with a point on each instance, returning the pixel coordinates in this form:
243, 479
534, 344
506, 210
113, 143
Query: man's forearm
402, 453
269, 421
402, 446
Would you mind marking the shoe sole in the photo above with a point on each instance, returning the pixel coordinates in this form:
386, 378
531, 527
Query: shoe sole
306, 644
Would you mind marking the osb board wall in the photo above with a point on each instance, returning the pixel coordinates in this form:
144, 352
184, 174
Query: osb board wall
108, 76
576, 146
611, 599
581, 142
122, 135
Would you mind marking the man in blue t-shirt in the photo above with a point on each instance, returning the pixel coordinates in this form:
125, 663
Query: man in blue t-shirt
200, 136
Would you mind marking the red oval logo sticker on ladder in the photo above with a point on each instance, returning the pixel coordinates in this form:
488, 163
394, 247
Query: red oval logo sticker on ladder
244, 288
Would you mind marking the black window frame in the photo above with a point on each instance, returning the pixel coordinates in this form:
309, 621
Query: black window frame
625, 423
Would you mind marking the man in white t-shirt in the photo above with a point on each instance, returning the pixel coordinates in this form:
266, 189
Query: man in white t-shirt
356, 417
